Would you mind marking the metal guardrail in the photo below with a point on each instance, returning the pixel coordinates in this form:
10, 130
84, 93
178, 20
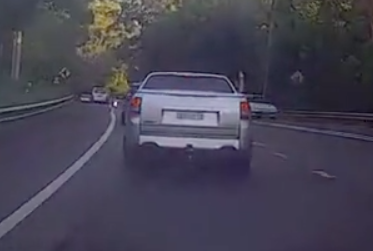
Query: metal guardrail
16, 112
361, 117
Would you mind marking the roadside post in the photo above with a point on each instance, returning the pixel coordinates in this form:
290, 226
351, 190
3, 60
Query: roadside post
241, 82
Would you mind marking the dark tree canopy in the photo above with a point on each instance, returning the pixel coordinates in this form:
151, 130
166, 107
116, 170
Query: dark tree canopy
329, 42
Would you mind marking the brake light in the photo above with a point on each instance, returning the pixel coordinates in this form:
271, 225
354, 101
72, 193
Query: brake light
135, 104
245, 110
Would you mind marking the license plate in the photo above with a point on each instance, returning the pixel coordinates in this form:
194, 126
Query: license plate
190, 115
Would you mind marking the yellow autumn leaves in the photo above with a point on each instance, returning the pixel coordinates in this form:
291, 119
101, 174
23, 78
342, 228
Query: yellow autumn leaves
118, 80
106, 31
311, 9
114, 21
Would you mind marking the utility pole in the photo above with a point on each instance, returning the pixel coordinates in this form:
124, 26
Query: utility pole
16, 55
268, 48
241, 82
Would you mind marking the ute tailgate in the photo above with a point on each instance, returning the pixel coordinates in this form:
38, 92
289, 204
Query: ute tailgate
190, 114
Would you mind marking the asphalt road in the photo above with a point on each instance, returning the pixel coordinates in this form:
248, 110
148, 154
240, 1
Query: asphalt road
283, 207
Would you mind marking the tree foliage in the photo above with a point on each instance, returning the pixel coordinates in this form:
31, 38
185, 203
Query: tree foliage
117, 82
105, 32
329, 41
115, 22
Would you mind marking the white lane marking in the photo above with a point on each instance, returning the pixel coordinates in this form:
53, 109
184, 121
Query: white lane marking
318, 131
324, 174
277, 154
258, 144
30, 206
280, 155
8, 119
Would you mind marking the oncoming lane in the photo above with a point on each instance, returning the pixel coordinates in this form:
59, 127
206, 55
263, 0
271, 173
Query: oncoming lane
282, 207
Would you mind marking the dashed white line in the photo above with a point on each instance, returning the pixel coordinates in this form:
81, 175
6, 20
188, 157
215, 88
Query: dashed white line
277, 154
258, 144
30, 206
280, 155
324, 174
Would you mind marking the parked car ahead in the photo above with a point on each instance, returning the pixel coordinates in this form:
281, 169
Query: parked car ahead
85, 97
100, 95
262, 108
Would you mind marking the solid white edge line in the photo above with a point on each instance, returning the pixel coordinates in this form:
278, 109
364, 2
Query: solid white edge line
31, 205
29, 114
318, 131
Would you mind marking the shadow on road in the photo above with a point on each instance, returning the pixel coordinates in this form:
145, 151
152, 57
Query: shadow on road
171, 173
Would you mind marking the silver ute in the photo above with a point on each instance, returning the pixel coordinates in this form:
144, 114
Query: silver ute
188, 111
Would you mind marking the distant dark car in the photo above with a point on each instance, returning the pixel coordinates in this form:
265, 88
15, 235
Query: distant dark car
262, 108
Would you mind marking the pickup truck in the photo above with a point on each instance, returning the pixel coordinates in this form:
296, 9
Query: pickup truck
193, 113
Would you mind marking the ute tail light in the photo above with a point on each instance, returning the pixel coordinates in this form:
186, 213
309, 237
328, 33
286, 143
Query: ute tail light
245, 110
135, 105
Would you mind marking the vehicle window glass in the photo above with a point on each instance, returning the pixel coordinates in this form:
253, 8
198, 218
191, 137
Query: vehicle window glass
99, 90
188, 83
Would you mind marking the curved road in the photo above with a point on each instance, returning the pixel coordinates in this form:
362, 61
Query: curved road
284, 207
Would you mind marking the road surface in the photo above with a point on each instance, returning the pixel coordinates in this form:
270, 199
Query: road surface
285, 206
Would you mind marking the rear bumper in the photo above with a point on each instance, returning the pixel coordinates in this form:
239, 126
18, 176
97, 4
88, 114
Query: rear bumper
220, 156
215, 149
134, 138
177, 137
101, 101
195, 143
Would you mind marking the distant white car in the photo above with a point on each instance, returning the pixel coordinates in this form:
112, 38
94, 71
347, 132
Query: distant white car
100, 95
85, 97
262, 109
